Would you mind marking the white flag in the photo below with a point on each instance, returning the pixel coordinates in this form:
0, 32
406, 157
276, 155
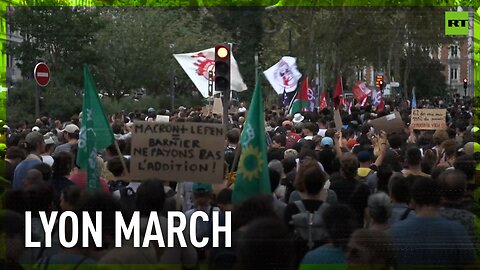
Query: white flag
198, 64
284, 75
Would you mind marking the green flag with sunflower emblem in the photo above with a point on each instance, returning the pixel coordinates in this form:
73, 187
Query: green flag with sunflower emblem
252, 174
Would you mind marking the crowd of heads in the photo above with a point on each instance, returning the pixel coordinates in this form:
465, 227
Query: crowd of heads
362, 189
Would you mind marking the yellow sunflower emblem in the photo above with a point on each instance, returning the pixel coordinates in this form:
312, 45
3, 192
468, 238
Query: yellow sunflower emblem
251, 163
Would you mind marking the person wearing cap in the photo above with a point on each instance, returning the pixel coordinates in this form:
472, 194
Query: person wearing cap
325, 152
151, 114
298, 118
34, 145
202, 200
366, 167
49, 146
71, 134
291, 135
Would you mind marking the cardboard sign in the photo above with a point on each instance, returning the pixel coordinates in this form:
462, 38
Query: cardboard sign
233, 110
338, 120
429, 119
390, 123
206, 109
162, 119
178, 152
217, 106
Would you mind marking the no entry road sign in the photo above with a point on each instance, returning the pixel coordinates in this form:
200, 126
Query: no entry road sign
42, 74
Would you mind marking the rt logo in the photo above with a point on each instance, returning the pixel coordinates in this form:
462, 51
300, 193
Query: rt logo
456, 23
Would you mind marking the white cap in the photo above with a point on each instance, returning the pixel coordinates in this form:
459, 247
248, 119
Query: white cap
70, 128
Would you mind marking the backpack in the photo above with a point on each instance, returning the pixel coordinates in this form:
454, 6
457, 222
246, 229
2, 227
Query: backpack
309, 226
363, 179
290, 141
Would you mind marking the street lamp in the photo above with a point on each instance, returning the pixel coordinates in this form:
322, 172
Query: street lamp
172, 81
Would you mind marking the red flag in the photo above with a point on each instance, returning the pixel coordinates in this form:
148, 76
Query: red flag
323, 101
300, 103
379, 101
361, 92
338, 94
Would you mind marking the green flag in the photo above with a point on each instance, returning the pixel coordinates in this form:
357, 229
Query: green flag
95, 133
252, 174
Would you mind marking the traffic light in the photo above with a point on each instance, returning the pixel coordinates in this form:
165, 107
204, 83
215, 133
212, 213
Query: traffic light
222, 67
465, 83
379, 82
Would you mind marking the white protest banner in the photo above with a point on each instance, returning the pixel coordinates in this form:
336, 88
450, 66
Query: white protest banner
177, 152
162, 119
284, 75
198, 64
429, 119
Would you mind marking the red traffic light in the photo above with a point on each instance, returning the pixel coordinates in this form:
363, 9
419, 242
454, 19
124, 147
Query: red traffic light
465, 80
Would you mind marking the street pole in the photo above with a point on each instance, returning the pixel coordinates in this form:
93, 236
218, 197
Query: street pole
226, 95
173, 91
172, 94
37, 101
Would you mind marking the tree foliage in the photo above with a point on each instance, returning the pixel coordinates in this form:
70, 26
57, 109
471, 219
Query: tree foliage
130, 48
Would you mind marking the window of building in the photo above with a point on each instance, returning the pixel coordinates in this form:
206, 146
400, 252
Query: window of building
453, 73
453, 51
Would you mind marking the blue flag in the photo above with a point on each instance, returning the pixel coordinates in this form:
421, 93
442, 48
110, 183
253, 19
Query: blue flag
285, 98
414, 99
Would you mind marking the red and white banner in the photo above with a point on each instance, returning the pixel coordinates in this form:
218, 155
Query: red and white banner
284, 75
198, 64
361, 92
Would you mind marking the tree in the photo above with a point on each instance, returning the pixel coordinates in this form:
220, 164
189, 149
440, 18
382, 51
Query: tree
425, 74
55, 35
137, 44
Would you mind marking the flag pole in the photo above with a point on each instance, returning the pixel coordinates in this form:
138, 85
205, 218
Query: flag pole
124, 165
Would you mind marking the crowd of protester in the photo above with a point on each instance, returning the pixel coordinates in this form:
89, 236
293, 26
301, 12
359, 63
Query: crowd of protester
340, 198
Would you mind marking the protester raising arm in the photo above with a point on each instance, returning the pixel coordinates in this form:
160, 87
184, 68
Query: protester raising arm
382, 147
338, 142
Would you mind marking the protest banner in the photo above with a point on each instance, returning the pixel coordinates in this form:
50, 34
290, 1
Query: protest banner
162, 119
206, 109
178, 152
390, 123
217, 106
429, 119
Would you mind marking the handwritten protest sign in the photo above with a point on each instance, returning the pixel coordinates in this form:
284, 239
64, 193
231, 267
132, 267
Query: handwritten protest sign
217, 106
178, 152
432, 119
390, 123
